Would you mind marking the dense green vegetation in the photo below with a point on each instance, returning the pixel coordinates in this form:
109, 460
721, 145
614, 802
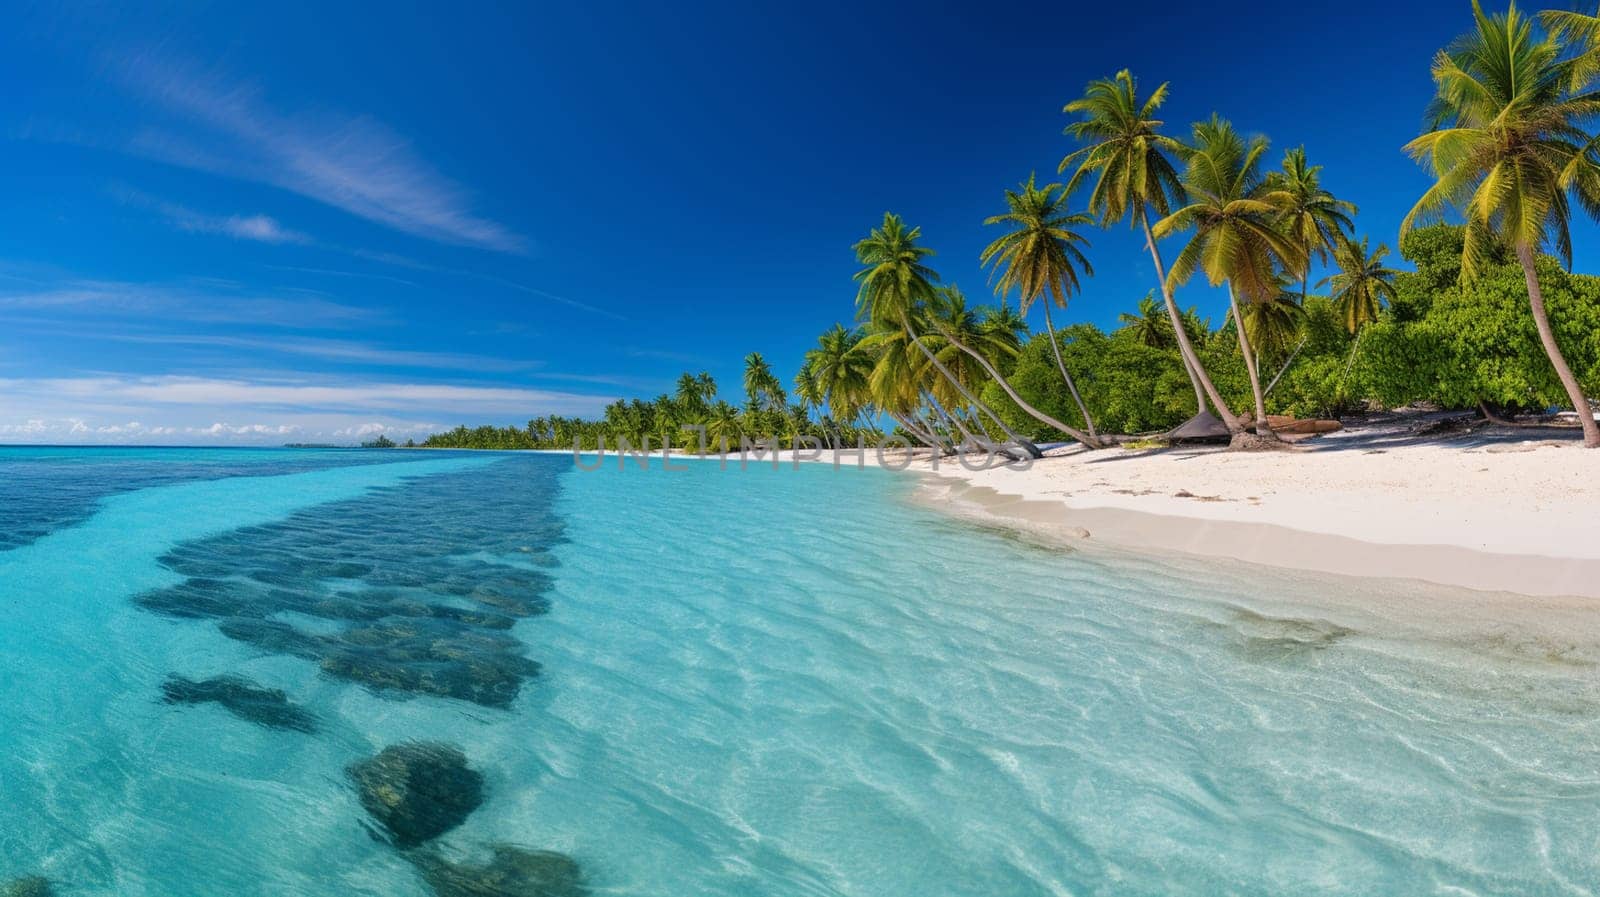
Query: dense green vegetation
1487, 320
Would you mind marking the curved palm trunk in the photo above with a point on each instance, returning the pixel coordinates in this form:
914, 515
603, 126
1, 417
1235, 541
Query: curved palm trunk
914, 430
1055, 346
1197, 372
1074, 432
1263, 429
1541, 320
951, 422
863, 421
960, 387
1285, 369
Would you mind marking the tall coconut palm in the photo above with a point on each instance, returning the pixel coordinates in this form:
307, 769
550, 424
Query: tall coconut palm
896, 284
1507, 148
1312, 216
1127, 155
1236, 238
1040, 255
1360, 284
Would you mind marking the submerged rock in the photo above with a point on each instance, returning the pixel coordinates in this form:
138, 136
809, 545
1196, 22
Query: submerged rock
268, 707
513, 872
32, 886
418, 791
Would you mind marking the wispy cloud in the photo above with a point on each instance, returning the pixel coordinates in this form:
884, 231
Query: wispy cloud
666, 355
336, 350
260, 228
348, 162
309, 393
205, 301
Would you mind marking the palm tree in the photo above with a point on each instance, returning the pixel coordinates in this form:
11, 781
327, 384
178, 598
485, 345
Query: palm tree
1272, 324
1507, 149
840, 367
895, 286
1002, 319
722, 426
761, 386
1361, 283
1236, 236
1039, 254
1312, 217
1127, 153
1150, 326
943, 312
694, 391
956, 324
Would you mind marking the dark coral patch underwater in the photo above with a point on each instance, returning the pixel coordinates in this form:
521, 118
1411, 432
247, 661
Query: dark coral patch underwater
409, 590
244, 699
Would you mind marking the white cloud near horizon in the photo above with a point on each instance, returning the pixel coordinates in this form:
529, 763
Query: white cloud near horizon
352, 163
309, 393
175, 409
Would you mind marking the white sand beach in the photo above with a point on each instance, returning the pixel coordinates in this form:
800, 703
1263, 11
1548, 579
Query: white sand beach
1514, 511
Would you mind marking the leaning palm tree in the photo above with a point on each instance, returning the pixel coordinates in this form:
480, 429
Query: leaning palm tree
1360, 284
1040, 254
1236, 238
899, 377
896, 283
1312, 216
1507, 148
985, 348
1127, 154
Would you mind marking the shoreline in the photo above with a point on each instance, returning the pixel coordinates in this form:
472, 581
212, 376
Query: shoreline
1516, 516
1491, 513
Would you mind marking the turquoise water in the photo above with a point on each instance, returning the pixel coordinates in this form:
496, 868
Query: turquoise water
749, 683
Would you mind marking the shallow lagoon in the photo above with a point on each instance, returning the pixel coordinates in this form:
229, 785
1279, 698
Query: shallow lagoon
748, 682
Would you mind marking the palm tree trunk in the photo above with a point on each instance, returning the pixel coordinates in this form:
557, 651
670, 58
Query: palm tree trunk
1263, 429
1541, 320
864, 422
914, 430
1074, 432
1199, 395
1055, 346
960, 387
1196, 371
1285, 369
951, 422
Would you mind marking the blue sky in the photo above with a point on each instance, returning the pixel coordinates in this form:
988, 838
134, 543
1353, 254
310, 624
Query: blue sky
313, 222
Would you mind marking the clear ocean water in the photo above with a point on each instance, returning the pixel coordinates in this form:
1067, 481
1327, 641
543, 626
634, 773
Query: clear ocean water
744, 683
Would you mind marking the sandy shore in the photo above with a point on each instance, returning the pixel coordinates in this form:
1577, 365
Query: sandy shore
1508, 511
